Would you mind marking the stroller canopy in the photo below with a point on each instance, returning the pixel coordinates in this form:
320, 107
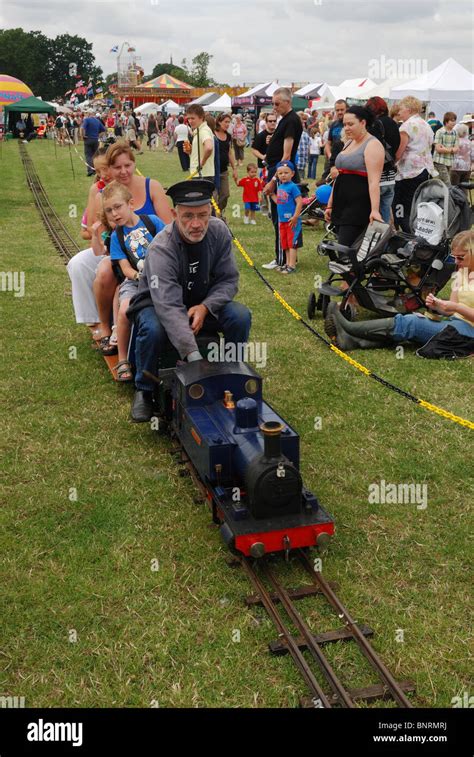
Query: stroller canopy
452, 201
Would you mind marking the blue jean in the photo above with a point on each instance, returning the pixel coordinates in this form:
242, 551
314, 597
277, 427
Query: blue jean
312, 166
386, 198
233, 320
415, 328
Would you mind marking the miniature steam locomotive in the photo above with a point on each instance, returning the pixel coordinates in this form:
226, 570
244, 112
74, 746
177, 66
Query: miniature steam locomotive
246, 457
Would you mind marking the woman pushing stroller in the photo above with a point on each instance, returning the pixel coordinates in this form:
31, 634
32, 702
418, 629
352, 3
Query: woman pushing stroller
355, 199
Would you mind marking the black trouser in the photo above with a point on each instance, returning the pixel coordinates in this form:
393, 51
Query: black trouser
403, 198
183, 156
347, 235
90, 148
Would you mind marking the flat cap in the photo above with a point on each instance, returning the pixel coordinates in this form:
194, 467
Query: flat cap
196, 192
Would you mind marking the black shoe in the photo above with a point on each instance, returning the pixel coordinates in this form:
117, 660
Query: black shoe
142, 407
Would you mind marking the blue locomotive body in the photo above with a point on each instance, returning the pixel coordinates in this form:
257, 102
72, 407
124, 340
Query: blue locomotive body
247, 457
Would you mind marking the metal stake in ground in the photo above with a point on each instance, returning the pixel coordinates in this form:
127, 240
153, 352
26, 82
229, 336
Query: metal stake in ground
70, 157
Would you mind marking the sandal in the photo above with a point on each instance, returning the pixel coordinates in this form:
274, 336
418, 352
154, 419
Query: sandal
105, 347
113, 337
124, 371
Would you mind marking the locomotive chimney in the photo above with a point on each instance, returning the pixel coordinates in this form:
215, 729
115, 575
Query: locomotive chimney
271, 431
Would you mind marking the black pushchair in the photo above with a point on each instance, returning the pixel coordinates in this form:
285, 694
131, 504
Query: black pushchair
388, 271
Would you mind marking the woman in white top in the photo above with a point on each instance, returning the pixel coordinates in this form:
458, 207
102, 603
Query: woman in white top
414, 160
181, 135
314, 151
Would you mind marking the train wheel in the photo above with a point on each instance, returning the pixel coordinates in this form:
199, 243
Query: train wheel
311, 309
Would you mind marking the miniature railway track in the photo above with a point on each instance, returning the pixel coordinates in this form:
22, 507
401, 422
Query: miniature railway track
60, 236
339, 696
270, 593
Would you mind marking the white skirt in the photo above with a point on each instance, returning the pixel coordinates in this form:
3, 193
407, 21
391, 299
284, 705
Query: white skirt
82, 269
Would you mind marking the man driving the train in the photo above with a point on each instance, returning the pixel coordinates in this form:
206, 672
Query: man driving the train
188, 283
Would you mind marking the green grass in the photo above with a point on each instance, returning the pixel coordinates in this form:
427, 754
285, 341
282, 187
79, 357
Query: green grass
85, 565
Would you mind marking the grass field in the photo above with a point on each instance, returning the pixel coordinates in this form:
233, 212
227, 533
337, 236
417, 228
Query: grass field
115, 589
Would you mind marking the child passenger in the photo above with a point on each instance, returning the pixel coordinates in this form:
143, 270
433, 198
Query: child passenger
128, 246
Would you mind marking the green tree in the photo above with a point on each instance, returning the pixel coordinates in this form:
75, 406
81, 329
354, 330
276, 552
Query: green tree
199, 71
71, 55
26, 56
110, 79
44, 64
168, 68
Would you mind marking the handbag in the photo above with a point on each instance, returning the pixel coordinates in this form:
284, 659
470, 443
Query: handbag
240, 142
448, 344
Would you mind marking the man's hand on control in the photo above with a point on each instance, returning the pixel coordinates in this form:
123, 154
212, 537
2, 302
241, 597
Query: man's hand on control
197, 315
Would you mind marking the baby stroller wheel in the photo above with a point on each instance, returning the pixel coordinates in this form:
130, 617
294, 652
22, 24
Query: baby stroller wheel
322, 304
348, 311
311, 308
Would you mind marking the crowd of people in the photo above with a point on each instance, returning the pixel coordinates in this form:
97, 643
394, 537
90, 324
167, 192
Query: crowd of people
170, 270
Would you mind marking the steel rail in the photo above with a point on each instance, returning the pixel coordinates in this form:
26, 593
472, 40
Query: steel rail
314, 648
283, 630
59, 234
364, 645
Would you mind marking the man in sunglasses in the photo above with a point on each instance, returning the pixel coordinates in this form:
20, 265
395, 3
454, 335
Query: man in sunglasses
259, 149
282, 146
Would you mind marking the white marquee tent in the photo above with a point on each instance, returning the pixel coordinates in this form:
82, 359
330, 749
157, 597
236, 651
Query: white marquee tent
259, 95
323, 96
449, 86
383, 89
223, 104
311, 91
205, 99
171, 107
147, 108
353, 89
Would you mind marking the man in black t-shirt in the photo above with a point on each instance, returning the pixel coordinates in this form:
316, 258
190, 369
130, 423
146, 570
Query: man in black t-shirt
260, 143
282, 146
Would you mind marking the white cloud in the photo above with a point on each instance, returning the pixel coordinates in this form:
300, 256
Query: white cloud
289, 40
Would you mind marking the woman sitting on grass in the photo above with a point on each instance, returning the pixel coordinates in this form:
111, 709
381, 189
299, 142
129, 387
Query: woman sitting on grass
92, 277
382, 332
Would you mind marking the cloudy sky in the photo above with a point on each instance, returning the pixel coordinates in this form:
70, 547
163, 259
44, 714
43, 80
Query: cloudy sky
261, 40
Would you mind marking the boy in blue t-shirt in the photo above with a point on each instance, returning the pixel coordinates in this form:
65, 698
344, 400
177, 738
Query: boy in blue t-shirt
128, 246
289, 206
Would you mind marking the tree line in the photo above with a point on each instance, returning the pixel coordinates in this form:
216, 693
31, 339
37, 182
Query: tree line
44, 64
53, 66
